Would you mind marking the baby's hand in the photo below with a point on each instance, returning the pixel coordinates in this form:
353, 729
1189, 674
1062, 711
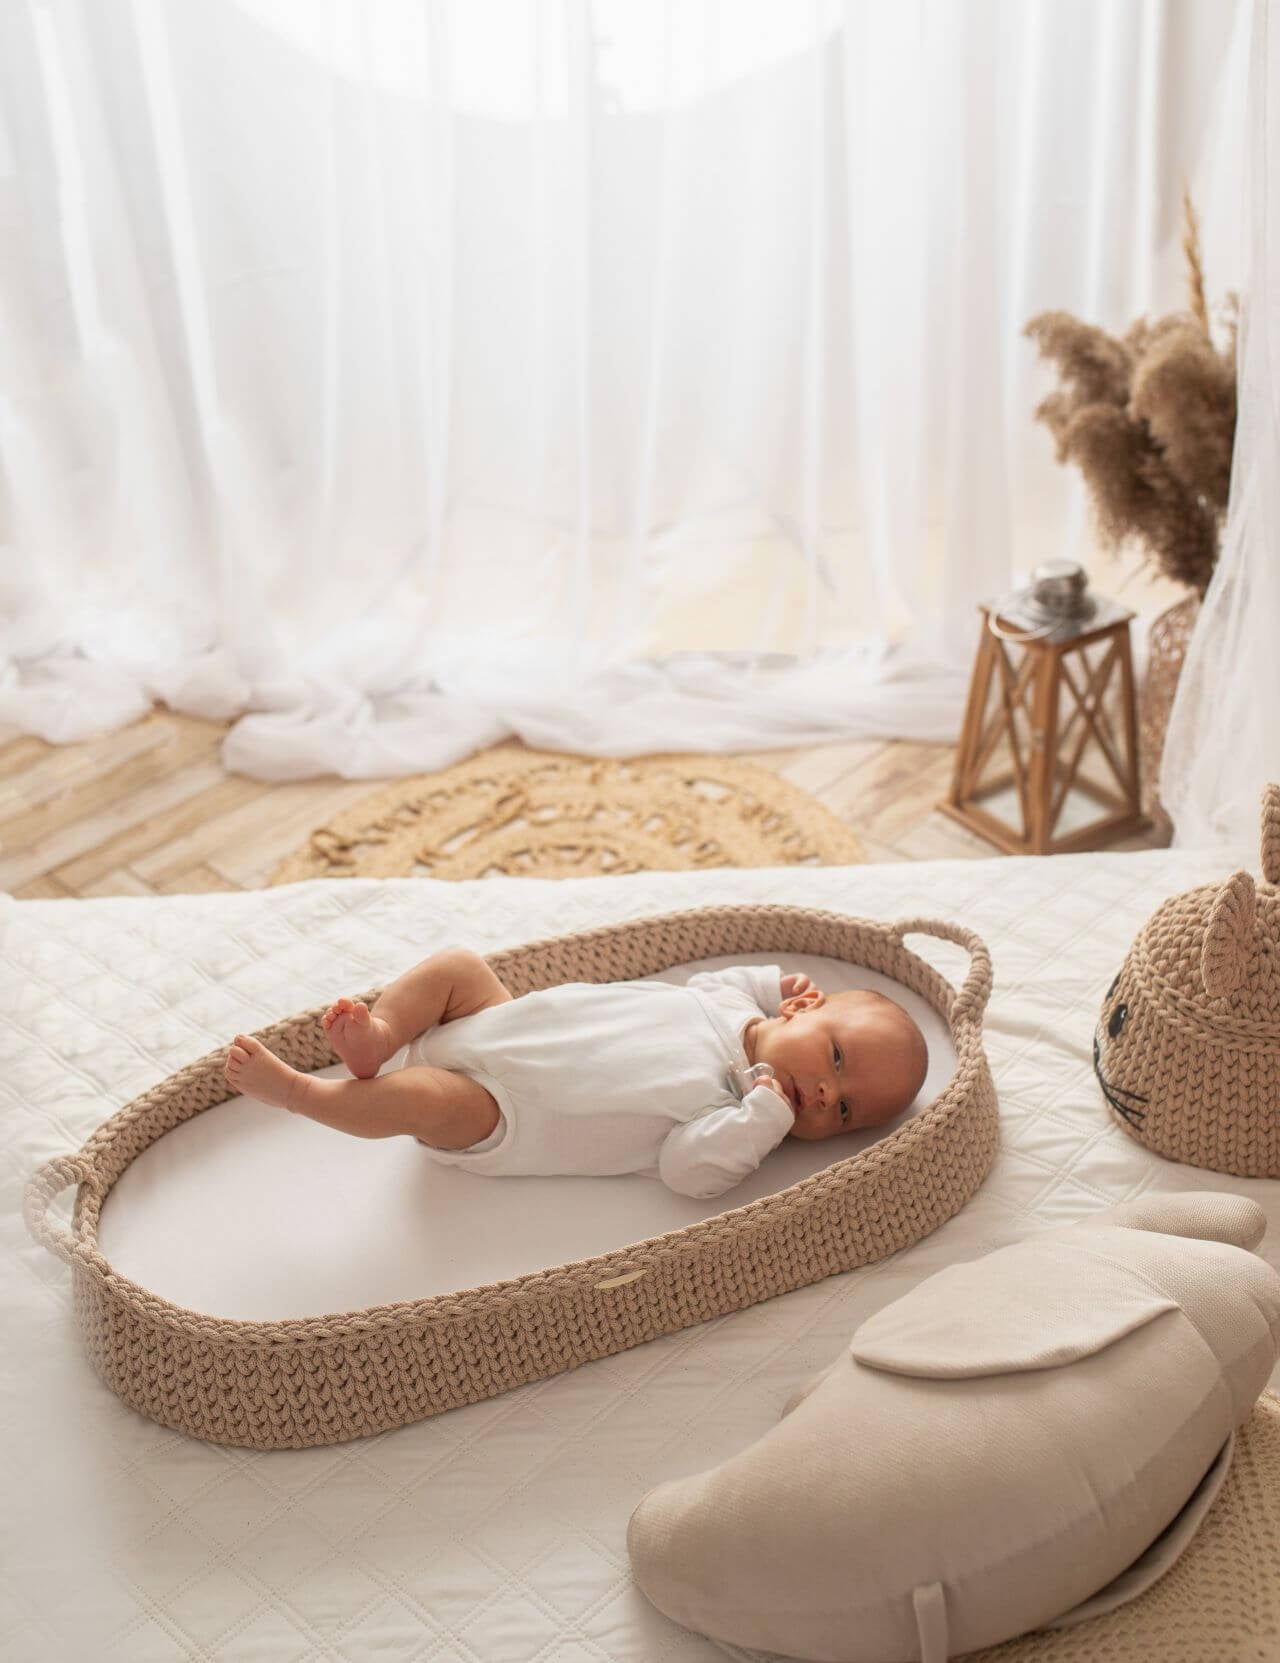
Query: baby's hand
776, 1085
795, 984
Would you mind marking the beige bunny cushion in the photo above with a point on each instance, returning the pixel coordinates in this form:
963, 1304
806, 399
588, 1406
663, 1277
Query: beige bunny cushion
1187, 1046
991, 1452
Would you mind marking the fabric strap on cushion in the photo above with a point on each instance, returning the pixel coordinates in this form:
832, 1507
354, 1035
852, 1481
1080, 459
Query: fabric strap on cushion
930, 1606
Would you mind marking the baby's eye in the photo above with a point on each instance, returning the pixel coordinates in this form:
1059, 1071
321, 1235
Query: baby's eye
839, 1058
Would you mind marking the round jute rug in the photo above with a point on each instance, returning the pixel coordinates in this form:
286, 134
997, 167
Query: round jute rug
545, 814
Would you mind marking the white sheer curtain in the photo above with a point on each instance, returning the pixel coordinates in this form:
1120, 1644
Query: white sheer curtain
395, 376
1223, 742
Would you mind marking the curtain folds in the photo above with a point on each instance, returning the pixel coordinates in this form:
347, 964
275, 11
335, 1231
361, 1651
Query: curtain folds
1223, 744
628, 377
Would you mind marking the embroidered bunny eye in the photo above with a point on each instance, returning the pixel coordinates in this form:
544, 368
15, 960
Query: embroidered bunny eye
1117, 1020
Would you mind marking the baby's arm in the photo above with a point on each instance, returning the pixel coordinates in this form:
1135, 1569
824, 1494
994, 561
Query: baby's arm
706, 1156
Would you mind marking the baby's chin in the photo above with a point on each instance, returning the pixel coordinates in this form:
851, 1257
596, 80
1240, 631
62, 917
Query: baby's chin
807, 1135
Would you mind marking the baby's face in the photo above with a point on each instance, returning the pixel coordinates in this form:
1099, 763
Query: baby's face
845, 1064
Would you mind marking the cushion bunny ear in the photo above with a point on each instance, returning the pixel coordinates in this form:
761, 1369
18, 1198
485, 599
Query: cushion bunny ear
1228, 941
1271, 833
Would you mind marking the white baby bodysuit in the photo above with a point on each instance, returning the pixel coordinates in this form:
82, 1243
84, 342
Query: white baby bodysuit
620, 1077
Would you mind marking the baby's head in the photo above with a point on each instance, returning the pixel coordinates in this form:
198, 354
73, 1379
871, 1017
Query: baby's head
846, 1061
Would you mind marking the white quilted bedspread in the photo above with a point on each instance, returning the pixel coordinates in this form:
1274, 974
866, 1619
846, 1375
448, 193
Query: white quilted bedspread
495, 1532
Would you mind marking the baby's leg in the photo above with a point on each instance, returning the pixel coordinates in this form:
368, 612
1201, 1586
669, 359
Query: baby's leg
446, 1110
449, 984
443, 1109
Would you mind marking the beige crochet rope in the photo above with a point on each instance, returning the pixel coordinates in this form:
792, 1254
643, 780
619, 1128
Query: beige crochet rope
322, 1380
1187, 1048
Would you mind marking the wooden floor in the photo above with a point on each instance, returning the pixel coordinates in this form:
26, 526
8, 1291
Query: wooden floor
150, 810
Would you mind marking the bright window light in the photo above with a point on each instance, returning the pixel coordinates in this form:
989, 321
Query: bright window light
511, 59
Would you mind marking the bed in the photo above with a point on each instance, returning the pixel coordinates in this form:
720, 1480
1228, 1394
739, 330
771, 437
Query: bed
498, 1530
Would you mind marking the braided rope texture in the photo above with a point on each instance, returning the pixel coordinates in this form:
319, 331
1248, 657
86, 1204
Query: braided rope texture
1189, 1036
304, 1382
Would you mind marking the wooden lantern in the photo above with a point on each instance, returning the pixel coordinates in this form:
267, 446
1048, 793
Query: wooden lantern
1051, 725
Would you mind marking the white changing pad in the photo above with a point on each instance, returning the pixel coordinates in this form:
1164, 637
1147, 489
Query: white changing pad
495, 1531
251, 1212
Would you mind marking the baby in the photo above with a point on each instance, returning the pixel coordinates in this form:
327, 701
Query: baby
639, 1076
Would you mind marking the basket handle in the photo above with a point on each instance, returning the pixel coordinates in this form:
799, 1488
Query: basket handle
46, 1182
972, 998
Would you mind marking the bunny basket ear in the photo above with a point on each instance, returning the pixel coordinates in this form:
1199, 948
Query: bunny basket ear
1271, 833
1228, 941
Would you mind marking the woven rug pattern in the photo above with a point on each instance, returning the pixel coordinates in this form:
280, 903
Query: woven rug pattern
545, 814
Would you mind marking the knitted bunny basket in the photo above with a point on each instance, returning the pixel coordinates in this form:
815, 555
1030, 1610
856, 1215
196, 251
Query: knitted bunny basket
301, 1382
1187, 1049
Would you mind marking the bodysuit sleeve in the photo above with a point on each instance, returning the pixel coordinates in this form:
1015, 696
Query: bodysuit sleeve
706, 1156
760, 982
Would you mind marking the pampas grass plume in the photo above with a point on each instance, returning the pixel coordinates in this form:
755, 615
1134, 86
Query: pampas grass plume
1149, 418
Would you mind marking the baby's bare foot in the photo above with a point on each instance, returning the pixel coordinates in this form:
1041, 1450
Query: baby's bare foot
256, 1072
362, 1040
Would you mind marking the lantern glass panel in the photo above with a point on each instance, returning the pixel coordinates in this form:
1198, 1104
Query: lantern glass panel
1005, 746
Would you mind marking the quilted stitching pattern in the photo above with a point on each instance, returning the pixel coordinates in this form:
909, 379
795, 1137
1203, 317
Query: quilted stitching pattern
496, 1531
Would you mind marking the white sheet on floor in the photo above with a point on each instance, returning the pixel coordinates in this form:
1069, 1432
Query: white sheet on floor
496, 1531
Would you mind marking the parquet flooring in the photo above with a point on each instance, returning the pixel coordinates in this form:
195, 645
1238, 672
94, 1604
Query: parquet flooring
150, 810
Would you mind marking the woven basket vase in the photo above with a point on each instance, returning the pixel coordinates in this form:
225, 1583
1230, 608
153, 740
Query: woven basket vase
1187, 1047
308, 1381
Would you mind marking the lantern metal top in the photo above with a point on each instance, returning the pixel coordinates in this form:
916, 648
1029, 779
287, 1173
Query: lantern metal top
1055, 606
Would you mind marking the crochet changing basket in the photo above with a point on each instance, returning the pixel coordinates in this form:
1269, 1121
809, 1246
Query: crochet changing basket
302, 1382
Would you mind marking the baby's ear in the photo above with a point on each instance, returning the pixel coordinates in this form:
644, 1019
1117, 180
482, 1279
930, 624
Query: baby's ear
810, 999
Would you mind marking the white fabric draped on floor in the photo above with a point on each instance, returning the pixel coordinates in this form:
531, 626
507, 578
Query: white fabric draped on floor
623, 376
